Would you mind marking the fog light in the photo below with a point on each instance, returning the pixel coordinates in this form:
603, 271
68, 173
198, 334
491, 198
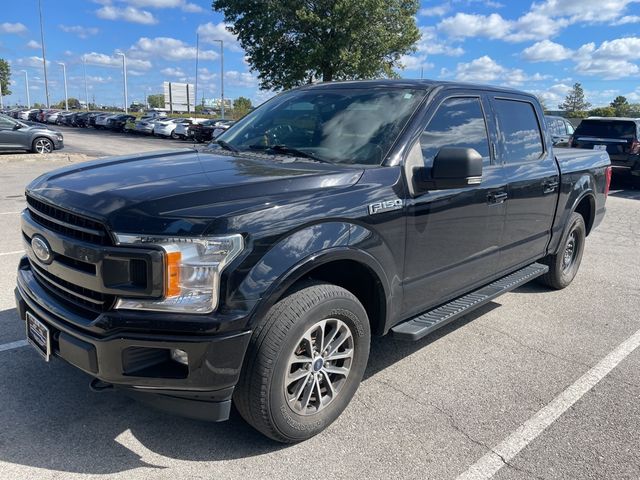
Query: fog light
179, 356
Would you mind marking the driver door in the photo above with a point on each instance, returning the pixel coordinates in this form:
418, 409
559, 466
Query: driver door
453, 235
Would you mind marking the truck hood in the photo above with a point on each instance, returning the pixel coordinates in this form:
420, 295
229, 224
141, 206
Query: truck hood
184, 191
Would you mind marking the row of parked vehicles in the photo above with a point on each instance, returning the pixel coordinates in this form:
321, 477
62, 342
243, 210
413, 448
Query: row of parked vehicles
151, 123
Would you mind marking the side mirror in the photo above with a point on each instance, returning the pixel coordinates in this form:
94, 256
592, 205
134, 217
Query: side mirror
17, 126
453, 167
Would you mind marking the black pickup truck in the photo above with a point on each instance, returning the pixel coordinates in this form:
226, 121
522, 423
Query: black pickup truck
257, 270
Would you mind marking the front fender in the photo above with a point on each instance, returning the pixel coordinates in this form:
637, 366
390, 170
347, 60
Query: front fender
295, 256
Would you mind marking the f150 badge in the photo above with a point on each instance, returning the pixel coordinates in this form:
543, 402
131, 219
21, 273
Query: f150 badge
385, 206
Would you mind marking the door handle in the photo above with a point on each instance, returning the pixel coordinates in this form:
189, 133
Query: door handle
550, 186
496, 197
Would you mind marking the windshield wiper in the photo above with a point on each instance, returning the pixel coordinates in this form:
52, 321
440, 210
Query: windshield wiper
227, 146
286, 150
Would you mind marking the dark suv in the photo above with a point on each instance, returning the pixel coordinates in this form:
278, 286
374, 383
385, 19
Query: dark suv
618, 136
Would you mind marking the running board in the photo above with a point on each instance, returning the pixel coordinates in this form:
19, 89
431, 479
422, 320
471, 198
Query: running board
424, 324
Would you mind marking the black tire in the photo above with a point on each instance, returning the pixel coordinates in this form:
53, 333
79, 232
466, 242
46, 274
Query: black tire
260, 395
174, 135
564, 265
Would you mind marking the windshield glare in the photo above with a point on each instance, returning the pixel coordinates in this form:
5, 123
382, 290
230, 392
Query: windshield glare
339, 125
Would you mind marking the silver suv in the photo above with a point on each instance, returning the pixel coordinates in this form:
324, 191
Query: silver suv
19, 135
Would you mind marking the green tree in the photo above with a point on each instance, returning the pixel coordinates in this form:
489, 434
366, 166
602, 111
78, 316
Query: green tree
574, 103
634, 110
5, 77
603, 112
156, 101
241, 106
621, 106
291, 42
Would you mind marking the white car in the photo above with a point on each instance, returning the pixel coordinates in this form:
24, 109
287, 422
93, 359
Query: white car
166, 127
182, 128
53, 117
24, 115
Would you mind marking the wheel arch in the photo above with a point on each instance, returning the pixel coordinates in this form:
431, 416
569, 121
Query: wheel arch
351, 269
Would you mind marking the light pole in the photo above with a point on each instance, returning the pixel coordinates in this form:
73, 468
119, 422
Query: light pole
26, 86
64, 74
44, 58
86, 91
221, 76
1, 97
124, 73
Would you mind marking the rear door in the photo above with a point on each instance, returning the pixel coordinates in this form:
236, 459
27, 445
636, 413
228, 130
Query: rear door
532, 176
453, 235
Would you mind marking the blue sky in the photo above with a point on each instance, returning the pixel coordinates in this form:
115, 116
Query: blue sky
543, 46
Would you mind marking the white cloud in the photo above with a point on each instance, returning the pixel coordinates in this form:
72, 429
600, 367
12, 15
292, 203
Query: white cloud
627, 20
31, 62
92, 79
609, 61
172, 72
486, 70
209, 32
33, 44
546, 51
543, 20
104, 60
79, 30
411, 62
240, 79
7, 27
168, 49
553, 95
182, 4
435, 11
128, 14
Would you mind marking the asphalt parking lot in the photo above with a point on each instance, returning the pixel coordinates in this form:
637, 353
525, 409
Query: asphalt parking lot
538, 384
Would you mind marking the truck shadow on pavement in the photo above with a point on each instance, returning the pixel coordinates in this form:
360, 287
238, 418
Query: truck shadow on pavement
50, 419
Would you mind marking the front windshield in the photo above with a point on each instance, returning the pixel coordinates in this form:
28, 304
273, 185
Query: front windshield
349, 126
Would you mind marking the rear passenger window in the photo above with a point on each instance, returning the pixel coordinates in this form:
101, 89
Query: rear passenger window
458, 122
519, 131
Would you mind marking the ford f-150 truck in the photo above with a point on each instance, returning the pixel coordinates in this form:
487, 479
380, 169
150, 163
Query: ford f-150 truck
256, 270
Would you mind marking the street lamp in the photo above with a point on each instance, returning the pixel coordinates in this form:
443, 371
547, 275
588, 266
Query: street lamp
124, 73
221, 75
26, 85
44, 58
64, 74
86, 91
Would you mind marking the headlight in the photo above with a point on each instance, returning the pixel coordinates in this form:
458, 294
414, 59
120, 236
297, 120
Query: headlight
192, 268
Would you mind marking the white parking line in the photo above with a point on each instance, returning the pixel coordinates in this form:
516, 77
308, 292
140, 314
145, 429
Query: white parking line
9, 213
505, 451
11, 253
12, 345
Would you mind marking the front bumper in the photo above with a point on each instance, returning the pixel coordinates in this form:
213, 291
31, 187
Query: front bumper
58, 144
139, 362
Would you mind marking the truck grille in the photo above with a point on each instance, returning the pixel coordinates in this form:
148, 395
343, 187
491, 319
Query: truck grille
73, 295
68, 224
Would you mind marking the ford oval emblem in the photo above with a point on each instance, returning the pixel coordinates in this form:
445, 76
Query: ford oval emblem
41, 249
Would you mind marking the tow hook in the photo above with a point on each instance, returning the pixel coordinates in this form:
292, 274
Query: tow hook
98, 386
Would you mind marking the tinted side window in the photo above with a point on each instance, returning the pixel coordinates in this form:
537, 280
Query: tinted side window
458, 122
5, 123
519, 131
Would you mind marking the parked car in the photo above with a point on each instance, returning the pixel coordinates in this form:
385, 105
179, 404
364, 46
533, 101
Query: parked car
620, 137
91, 120
130, 125
203, 132
145, 125
182, 128
258, 270
118, 122
81, 119
167, 127
24, 114
66, 118
18, 135
102, 120
52, 116
561, 130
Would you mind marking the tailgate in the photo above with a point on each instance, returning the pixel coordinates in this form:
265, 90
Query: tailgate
613, 146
